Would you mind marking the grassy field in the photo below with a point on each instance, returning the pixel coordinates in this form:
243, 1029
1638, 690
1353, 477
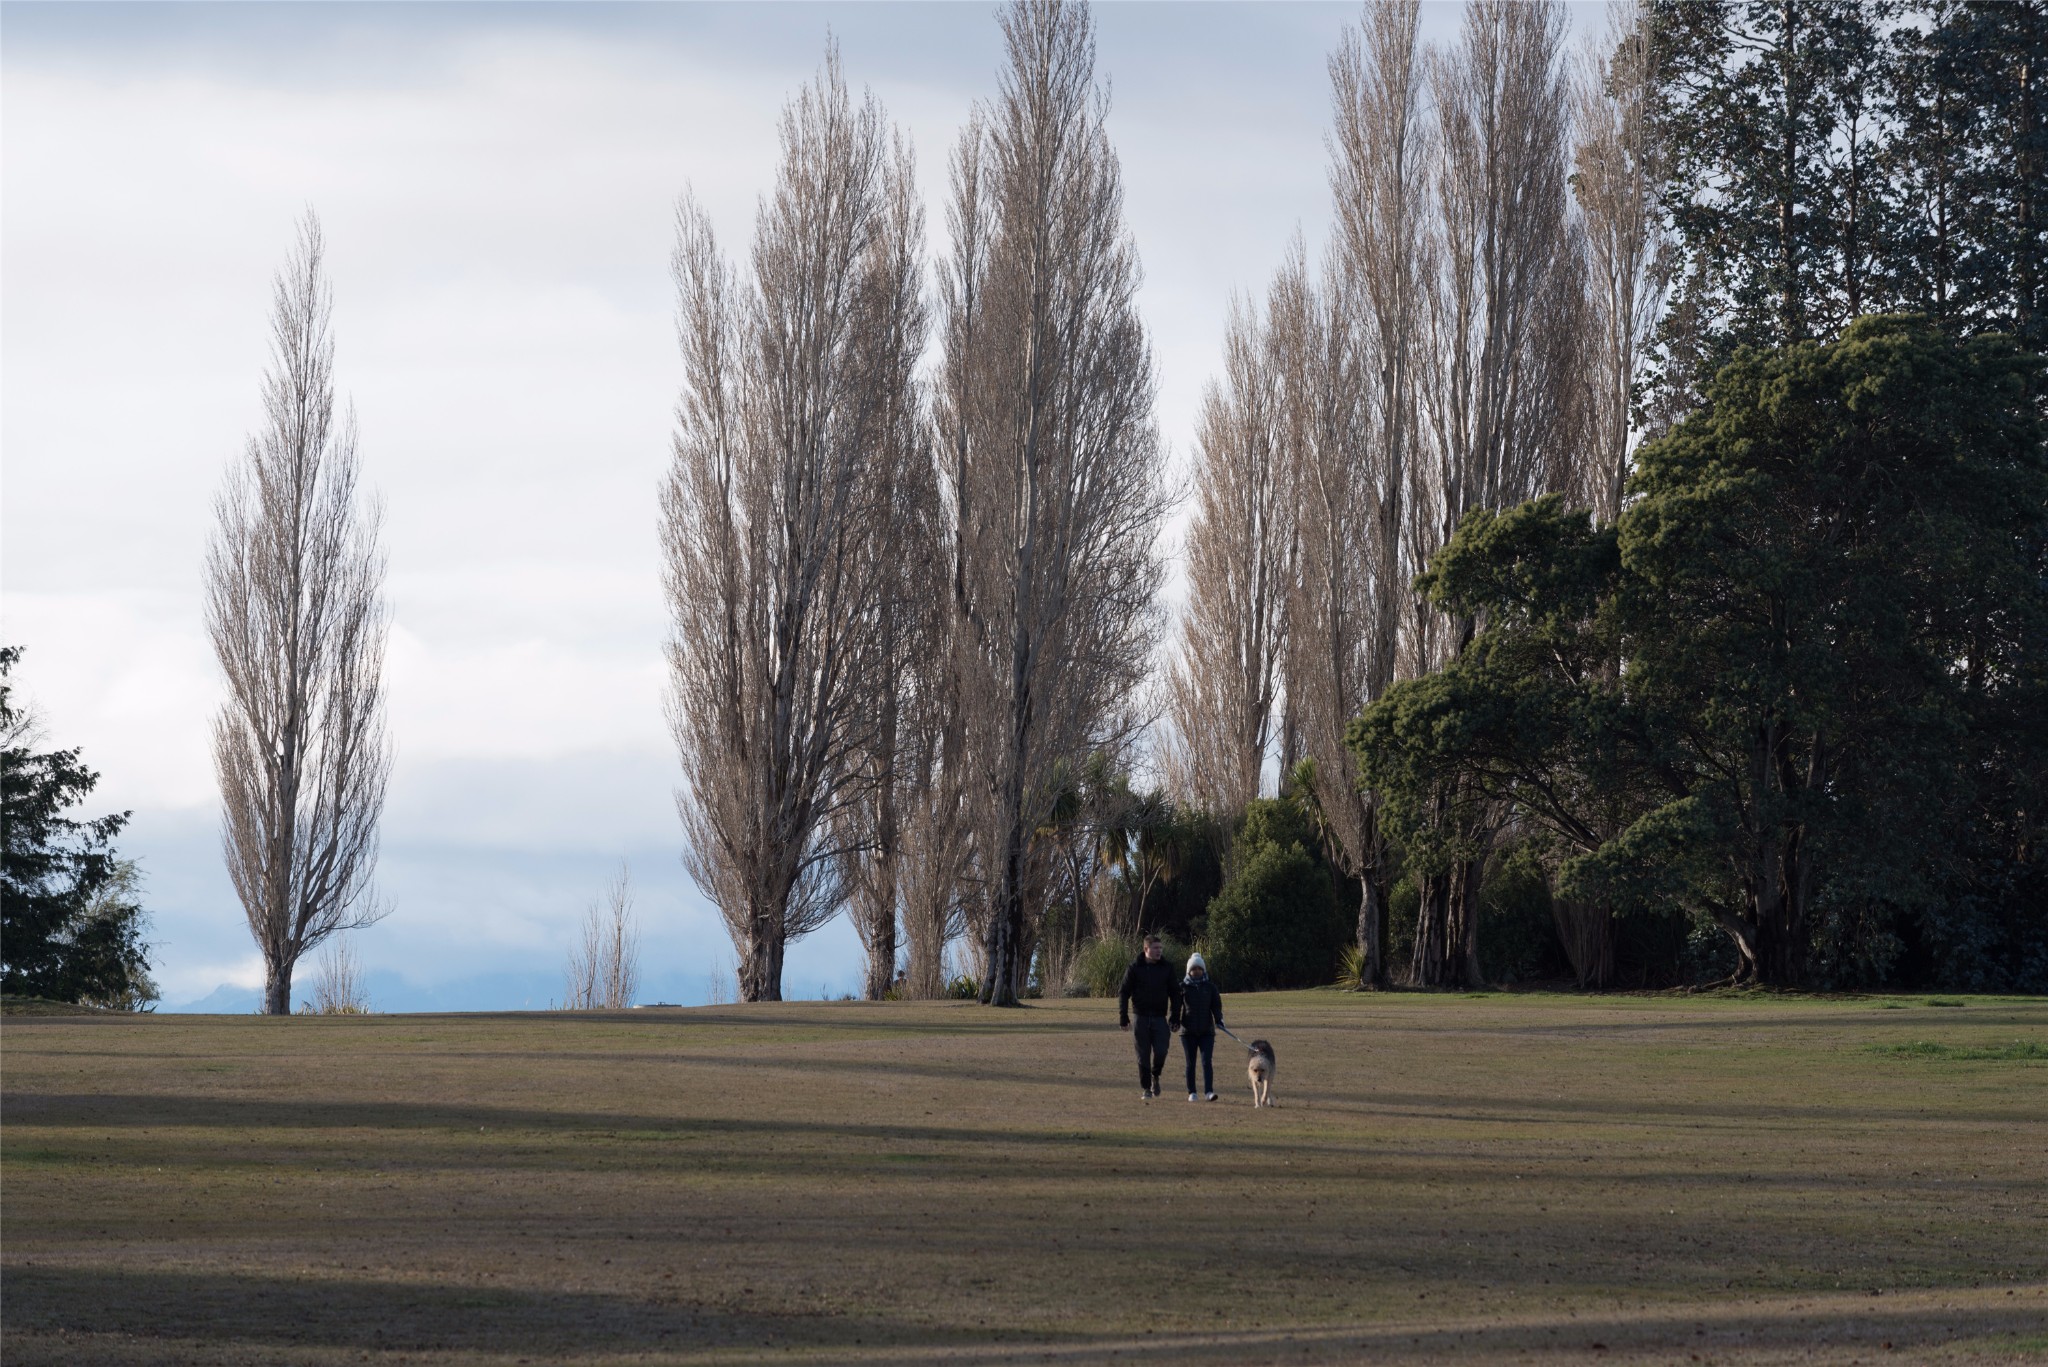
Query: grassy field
1476, 1179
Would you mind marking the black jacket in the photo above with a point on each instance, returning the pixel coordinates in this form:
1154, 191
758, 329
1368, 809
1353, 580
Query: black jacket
1201, 1007
1150, 989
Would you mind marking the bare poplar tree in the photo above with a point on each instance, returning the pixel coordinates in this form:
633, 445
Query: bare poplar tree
1224, 685
295, 611
938, 822
1355, 575
1325, 430
1502, 386
1051, 454
907, 617
776, 505
1615, 179
604, 965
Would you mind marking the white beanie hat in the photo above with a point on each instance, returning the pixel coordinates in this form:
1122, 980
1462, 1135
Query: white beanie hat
1196, 961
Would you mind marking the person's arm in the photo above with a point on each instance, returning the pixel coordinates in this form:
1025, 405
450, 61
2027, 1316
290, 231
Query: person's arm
1216, 998
1176, 1000
1123, 998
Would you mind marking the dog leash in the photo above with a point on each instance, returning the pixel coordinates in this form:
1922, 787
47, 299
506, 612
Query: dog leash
1233, 1034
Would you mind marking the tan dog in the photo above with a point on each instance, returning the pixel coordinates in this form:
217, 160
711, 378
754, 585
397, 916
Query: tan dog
1263, 1068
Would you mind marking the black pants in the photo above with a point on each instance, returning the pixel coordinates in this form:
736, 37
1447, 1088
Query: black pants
1205, 1045
1149, 1034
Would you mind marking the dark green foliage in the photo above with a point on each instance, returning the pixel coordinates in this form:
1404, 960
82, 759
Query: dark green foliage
1799, 689
70, 927
1278, 922
1769, 113
1179, 901
1832, 602
1517, 938
1404, 905
1830, 159
1965, 167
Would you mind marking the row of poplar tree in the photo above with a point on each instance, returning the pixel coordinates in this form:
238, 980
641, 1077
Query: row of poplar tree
917, 609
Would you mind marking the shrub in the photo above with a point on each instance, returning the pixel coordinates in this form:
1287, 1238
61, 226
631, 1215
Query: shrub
338, 988
1277, 922
963, 988
1100, 964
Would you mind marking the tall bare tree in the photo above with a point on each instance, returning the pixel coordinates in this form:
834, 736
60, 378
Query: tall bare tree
1616, 177
1354, 580
1051, 454
777, 501
937, 819
907, 621
604, 965
1325, 431
1224, 684
1502, 386
295, 610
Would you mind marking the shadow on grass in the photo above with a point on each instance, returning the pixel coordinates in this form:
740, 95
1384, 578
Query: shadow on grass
114, 1110
823, 1019
144, 1111
250, 1309
275, 1316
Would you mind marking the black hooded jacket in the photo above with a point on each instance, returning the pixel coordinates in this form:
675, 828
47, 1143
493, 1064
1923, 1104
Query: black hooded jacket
1151, 989
1201, 1007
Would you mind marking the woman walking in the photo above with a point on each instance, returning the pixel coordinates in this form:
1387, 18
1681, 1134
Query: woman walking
1201, 1013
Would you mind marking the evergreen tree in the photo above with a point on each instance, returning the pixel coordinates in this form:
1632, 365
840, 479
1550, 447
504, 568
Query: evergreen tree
1773, 118
1967, 161
1825, 725
70, 926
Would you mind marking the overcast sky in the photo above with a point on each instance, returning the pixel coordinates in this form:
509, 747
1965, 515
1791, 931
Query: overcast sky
497, 187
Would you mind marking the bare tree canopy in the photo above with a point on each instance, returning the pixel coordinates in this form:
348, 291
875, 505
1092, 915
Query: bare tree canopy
294, 607
897, 707
1617, 172
1052, 456
1223, 686
604, 965
778, 516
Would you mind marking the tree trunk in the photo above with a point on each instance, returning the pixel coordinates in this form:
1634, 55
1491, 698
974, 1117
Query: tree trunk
1372, 929
2027, 260
1470, 875
761, 974
1447, 927
1006, 927
1434, 963
1587, 934
277, 989
882, 961
1790, 314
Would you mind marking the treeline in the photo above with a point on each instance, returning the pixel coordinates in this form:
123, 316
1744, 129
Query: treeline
1534, 518
1619, 553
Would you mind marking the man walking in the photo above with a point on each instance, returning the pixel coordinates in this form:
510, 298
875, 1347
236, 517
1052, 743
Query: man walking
1151, 992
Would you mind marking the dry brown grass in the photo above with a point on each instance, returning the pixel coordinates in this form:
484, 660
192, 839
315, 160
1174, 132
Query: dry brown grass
1448, 1179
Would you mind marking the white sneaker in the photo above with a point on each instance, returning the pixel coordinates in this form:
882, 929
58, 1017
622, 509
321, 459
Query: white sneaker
1210, 1097
1145, 1095
1191, 1096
